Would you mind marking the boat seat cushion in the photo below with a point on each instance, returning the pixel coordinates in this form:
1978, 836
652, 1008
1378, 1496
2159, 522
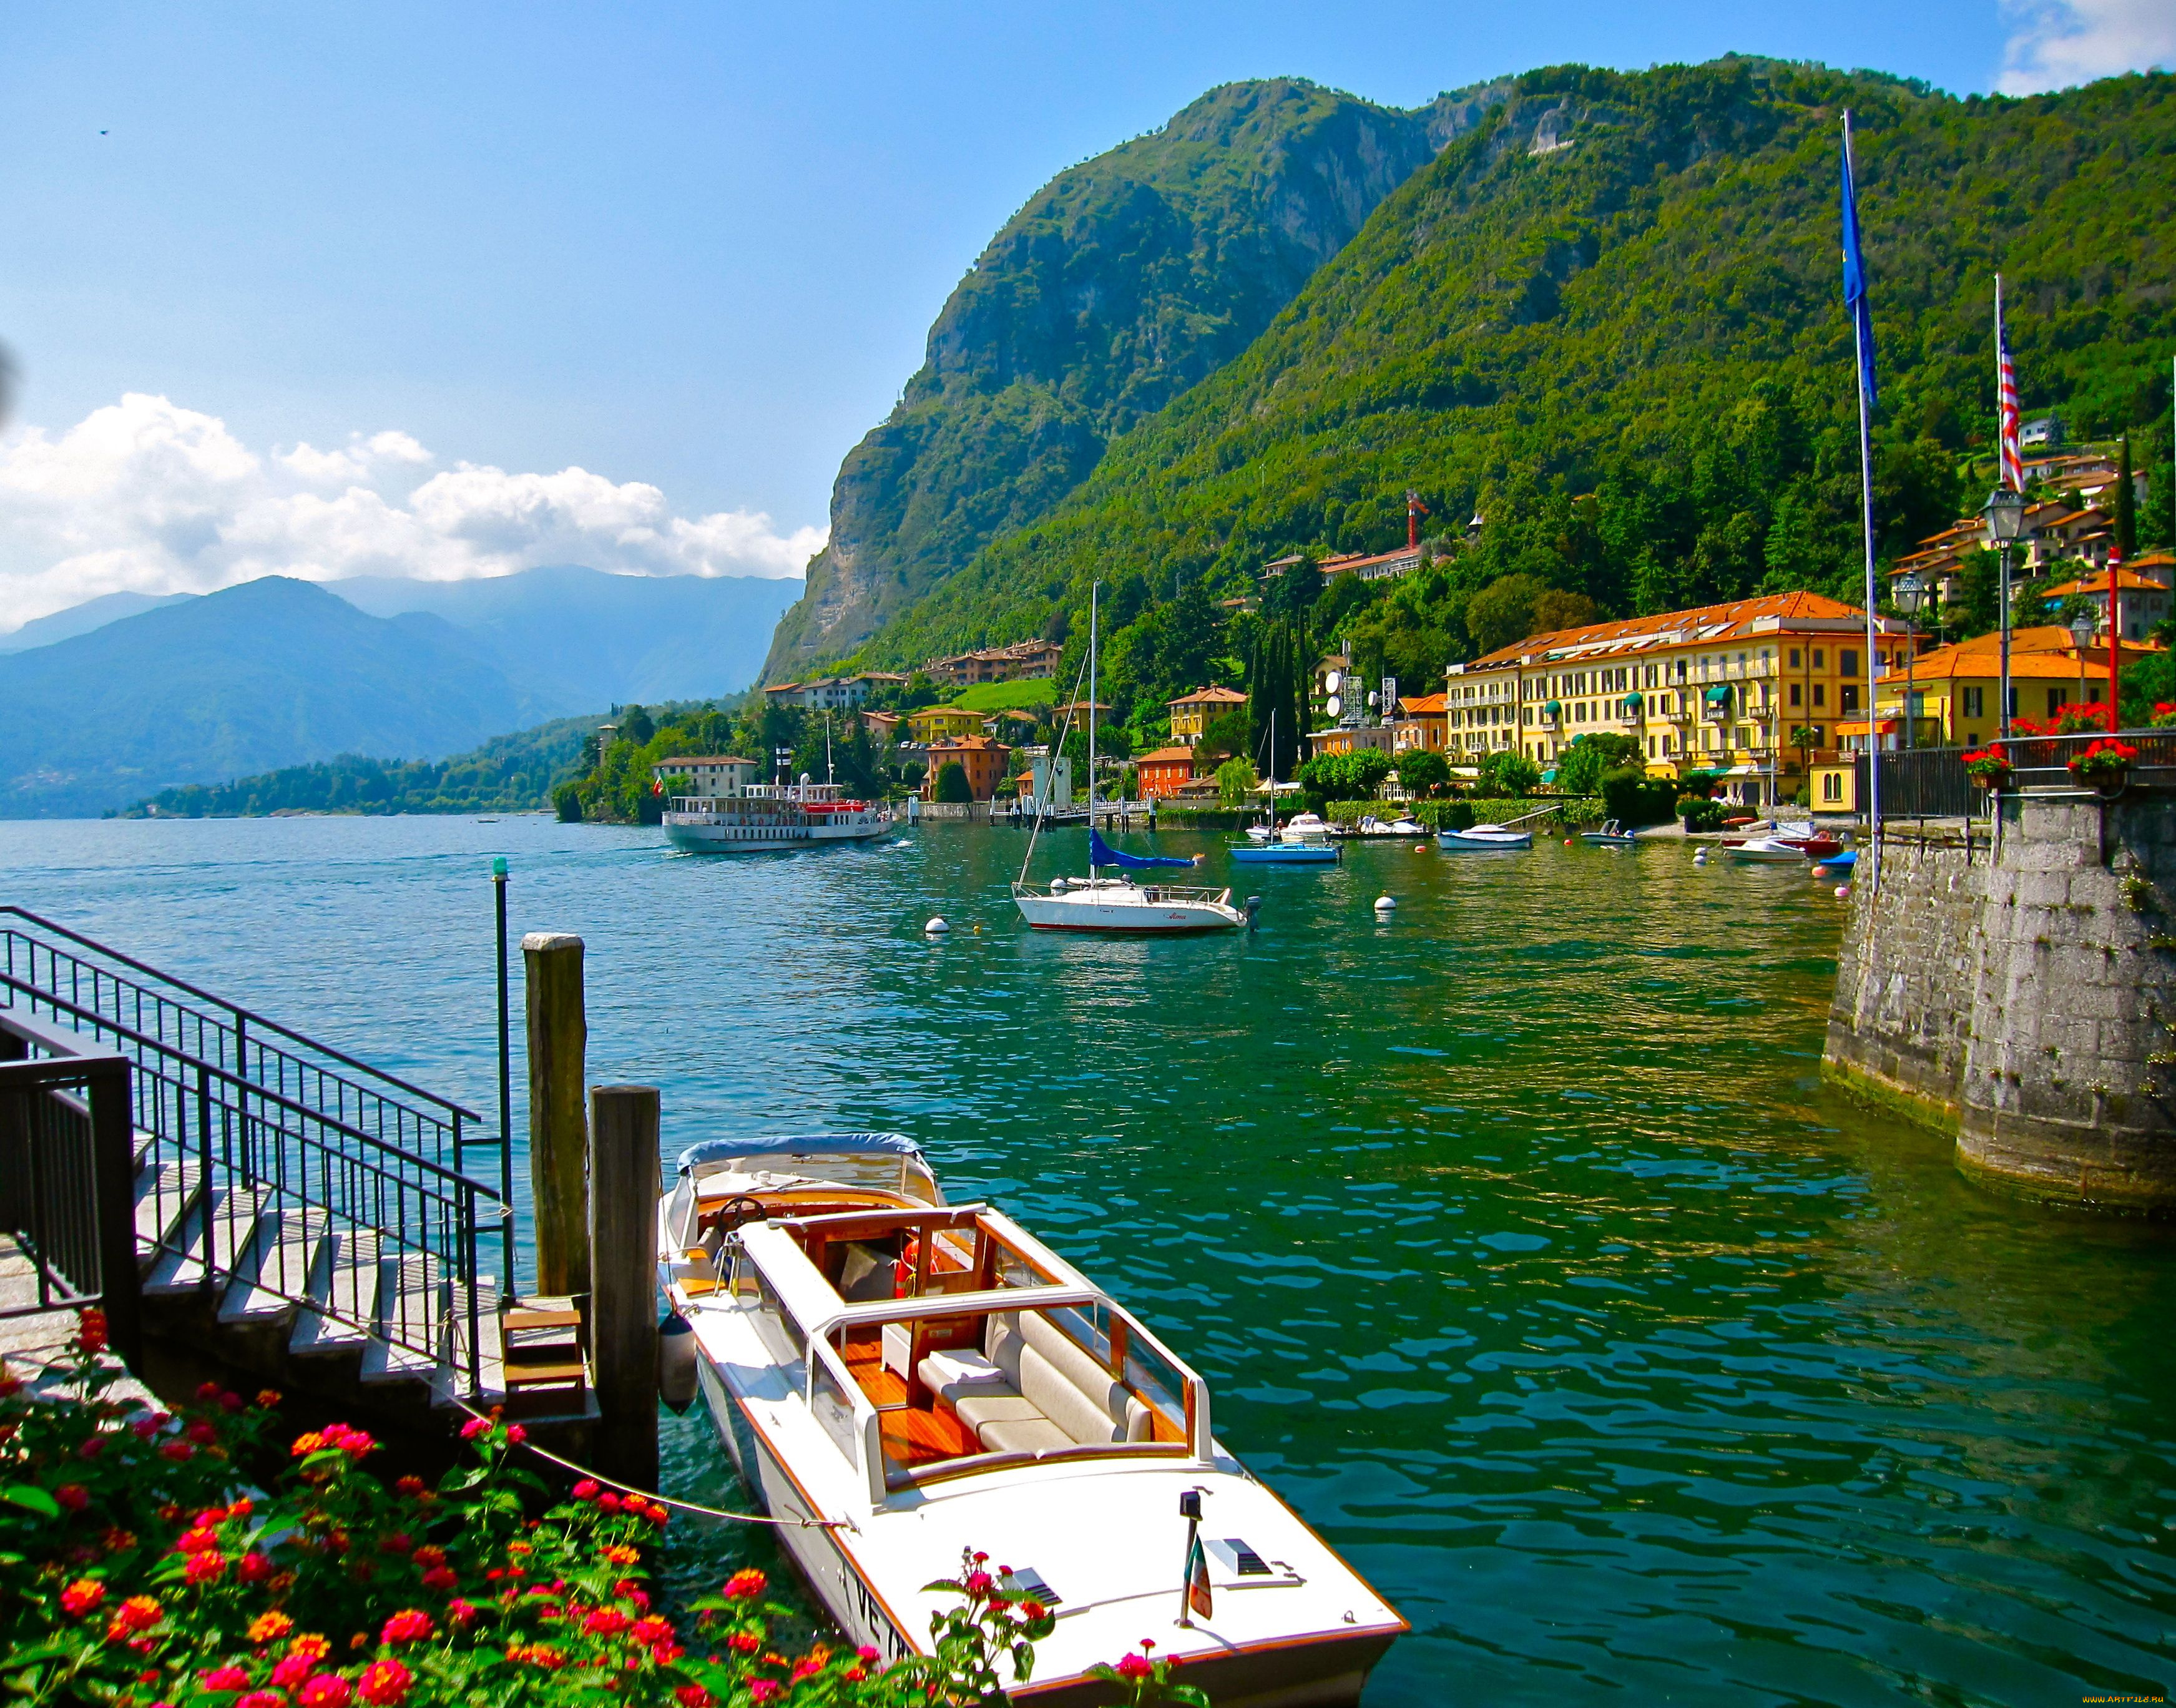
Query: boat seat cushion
1064, 1382
981, 1405
1026, 1435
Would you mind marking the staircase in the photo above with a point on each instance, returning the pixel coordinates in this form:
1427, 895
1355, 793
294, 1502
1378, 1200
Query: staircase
302, 1220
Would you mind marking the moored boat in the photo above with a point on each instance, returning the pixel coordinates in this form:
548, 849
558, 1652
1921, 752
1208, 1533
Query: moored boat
1611, 835
763, 818
910, 1380
1483, 839
1769, 850
1284, 851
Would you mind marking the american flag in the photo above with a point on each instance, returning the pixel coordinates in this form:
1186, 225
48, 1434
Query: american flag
2005, 385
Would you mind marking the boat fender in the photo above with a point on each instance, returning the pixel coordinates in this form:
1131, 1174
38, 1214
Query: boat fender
676, 1363
1058, 886
1384, 904
1420, 847
937, 927
1843, 892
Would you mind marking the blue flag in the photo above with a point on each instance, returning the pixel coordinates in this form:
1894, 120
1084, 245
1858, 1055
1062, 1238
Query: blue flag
1854, 281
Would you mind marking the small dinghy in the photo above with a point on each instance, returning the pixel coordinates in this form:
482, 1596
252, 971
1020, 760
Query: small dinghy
908, 1379
1482, 839
1772, 851
1611, 835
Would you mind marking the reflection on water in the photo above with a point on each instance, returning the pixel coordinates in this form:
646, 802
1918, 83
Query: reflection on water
1525, 1249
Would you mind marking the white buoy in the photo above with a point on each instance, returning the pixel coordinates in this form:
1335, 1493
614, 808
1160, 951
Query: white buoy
1384, 904
937, 927
1843, 892
1700, 857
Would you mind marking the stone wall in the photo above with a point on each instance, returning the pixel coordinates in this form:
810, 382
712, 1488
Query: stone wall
2029, 999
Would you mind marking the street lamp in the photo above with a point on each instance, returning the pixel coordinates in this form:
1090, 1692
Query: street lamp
2081, 636
1910, 593
2005, 514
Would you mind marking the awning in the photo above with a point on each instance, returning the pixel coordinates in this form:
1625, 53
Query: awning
1718, 695
1553, 708
1633, 702
1745, 770
1888, 727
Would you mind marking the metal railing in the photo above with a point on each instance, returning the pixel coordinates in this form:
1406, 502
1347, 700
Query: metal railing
258, 1145
1923, 783
2042, 763
66, 1173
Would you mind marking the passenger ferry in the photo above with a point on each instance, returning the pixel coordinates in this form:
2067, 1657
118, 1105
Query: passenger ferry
918, 1379
759, 818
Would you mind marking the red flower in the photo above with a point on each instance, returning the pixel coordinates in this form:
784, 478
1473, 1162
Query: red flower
262, 1699
396, 1542
807, 1668
81, 1596
137, 1613
179, 1451
516, 1434
693, 1696
203, 1433
604, 1621
327, 1690
204, 1567
473, 1427
293, 1671
744, 1583
409, 1625
92, 1446
440, 1577
90, 1330
461, 1611
979, 1583
762, 1690
227, 1677
385, 1683
608, 1501
253, 1568
1134, 1667
652, 1631
586, 1489
744, 1642
73, 1495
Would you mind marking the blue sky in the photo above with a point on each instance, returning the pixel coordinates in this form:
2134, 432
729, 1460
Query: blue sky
694, 249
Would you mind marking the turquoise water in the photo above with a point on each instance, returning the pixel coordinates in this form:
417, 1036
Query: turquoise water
1525, 1252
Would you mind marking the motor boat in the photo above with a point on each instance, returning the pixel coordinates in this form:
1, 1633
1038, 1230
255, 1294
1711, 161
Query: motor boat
904, 1381
1483, 839
764, 817
1305, 827
1611, 835
1286, 852
1372, 826
1099, 903
1771, 849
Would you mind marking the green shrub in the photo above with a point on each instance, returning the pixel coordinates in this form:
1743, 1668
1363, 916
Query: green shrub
1633, 798
1580, 766
1422, 772
1353, 776
952, 784
567, 803
131, 1570
1455, 815
1699, 812
1506, 771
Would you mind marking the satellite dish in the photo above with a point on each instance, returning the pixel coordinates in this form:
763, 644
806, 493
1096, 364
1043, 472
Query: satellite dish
1334, 706
1330, 680
1371, 697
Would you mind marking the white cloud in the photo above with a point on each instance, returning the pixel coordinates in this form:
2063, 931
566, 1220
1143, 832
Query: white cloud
144, 496
2057, 44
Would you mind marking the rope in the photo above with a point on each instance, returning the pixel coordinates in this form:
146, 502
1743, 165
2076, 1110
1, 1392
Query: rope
689, 1506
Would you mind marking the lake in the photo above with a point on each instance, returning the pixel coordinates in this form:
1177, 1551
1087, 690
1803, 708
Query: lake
1518, 1237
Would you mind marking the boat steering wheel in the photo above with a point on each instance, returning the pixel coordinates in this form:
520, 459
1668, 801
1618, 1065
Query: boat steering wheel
737, 1212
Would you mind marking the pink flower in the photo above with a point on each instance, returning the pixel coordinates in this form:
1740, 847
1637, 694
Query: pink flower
262, 1699
92, 1447
385, 1683
461, 1611
326, 1690
204, 1567
396, 1542
1134, 1667
291, 1672
254, 1567
409, 1625
586, 1489
202, 1433
867, 1654
439, 1578
806, 1668
979, 1583
762, 1690
516, 1434
227, 1678
473, 1427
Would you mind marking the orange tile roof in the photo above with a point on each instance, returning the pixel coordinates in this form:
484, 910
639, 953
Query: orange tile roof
1949, 662
1166, 756
1210, 696
961, 744
2125, 583
1421, 705
1723, 619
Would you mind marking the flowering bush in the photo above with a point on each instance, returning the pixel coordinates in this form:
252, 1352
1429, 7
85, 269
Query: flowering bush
2164, 715
2080, 719
2107, 761
136, 1569
1990, 767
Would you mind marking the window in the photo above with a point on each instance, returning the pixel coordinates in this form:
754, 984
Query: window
1817, 659
1820, 693
1847, 663
1975, 699
1848, 697
2058, 698
1831, 786
1651, 747
1794, 658
1794, 693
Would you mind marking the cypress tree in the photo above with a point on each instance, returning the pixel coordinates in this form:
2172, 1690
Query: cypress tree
2126, 504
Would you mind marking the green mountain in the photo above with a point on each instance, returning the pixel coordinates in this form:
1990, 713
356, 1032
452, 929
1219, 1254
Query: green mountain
273, 672
1121, 284
1607, 321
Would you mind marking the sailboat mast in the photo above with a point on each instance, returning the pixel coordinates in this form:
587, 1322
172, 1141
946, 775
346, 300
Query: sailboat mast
1094, 588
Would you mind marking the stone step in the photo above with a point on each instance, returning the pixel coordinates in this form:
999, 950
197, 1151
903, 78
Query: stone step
453, 1376
273, 1280
164, 1193
343, 1296
410, 1317
181, 1268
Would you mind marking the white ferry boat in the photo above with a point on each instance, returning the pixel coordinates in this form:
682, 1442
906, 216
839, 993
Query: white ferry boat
920, 1379
760, 817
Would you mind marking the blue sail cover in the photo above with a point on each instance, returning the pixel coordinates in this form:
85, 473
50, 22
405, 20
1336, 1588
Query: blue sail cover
1101, 853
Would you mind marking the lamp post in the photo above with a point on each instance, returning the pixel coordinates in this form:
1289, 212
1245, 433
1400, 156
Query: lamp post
2005, 514
1910, 593
2081, 636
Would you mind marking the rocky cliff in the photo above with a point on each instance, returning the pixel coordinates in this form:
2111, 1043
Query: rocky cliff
1121, 283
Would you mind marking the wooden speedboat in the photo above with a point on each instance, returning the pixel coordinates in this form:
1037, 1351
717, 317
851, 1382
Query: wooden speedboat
918, 1379
1482, 839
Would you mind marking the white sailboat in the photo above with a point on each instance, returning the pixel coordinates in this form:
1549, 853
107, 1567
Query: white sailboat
1120, 904
910, 1380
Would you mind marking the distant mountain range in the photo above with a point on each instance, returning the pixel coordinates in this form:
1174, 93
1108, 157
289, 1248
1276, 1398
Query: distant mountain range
81, 619
124, 697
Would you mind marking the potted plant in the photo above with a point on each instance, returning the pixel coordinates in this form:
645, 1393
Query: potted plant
2105, 765
1990, 767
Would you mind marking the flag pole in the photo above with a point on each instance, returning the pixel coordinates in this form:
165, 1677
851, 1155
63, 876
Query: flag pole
1861, 328
2002, 547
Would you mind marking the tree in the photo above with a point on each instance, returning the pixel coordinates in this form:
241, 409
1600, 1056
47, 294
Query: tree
635, 724
1422, 772
1236, 781
1580, 766
1278, 677
2126, 504
952, 784
1557, 609
567, 803
1226, 734
1507, 772
1354, 776
1805, 739
1502, 612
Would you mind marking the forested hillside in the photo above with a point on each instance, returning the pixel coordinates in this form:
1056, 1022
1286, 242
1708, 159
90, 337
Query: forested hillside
1121, 283
1607, 322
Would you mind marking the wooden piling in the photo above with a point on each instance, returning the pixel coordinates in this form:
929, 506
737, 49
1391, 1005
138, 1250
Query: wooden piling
558, 1127
623, 1192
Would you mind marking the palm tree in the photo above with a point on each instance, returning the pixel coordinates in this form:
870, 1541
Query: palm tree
1805, 739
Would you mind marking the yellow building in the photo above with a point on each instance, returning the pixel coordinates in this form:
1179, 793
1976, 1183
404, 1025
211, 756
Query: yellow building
1721, 687
944, 723
1955, 689
1190, 713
